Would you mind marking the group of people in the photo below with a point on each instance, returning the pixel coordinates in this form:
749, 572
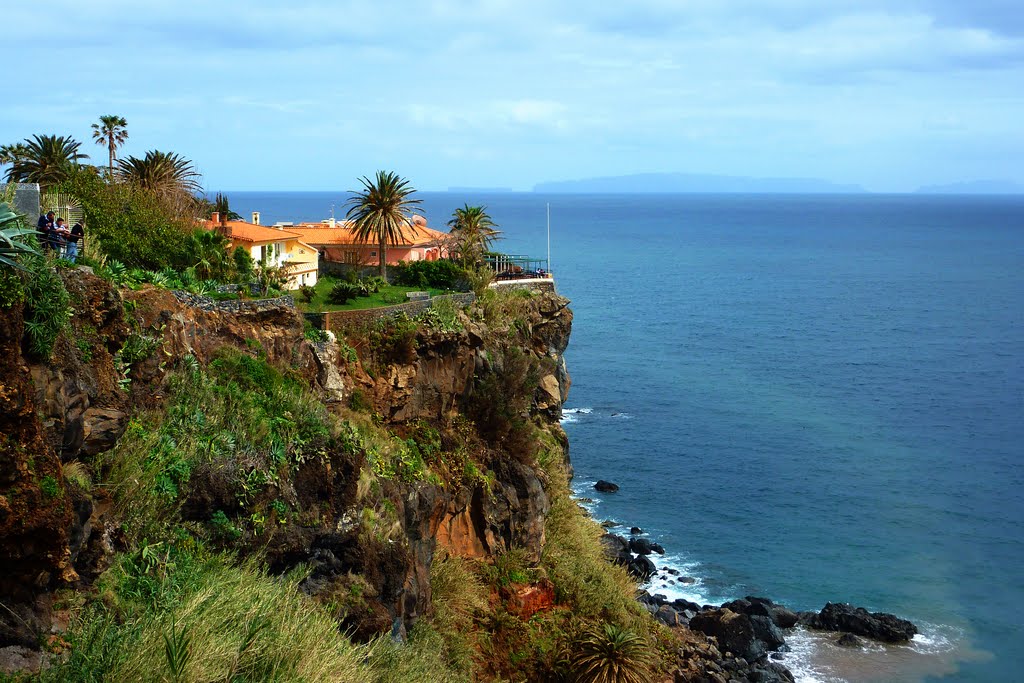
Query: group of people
55, 236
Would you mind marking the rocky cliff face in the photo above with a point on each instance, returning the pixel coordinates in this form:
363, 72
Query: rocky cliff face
114, 363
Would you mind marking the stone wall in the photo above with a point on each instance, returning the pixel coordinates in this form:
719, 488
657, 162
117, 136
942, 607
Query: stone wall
234, 305
538, 285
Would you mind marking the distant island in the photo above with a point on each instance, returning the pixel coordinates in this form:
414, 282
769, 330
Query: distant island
488, 190
690, 182
974, 187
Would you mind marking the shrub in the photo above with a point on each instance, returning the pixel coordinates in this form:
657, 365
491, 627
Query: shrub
343, 292
307, 293
47, 305
442, 274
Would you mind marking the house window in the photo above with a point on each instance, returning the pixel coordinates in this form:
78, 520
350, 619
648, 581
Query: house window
373, 253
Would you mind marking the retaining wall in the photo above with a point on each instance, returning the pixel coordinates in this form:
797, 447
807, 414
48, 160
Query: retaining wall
337, 321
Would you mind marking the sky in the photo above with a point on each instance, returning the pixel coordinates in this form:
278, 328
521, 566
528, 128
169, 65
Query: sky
304, 95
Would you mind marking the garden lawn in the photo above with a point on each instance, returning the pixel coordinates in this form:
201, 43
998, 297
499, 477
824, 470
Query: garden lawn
388, 295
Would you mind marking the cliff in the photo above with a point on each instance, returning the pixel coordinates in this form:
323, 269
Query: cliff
399, 441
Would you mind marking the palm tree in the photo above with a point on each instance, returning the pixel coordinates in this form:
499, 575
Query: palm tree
110, 131
209, 251
473, 231
45, 159
381, 211
163, 172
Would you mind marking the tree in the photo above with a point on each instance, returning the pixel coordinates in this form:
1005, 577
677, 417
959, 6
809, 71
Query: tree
381, 211
472, 231
161, 172
44, 159
208, 251
111, 132
9, 154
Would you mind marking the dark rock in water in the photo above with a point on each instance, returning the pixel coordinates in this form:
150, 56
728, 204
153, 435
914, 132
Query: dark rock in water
767, 632
640, 546
733, 631
635, 530
616, 549
839, 616
609, 524
658, 548
683, 604
771, 672
642, 568
849, 640
754, 606
670, 570
606, 486
687, 580
584, 500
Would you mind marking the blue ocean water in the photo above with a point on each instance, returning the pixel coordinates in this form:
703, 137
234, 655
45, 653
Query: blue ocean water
809, 398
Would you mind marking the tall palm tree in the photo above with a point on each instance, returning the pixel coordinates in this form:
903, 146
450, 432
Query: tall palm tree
44, 159
163, 172
473, 231
112, 132
381, 211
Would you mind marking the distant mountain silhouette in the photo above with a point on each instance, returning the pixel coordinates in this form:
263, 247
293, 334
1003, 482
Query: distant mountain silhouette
974, 187
690, 182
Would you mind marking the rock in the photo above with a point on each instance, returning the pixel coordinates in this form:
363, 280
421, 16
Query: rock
680, 603
767, 632
687, 580
668, 616
640, 546
635, 530
849, 640
838, 616
606, 486
616, 549
658, 548
733, 631
670, 570
609, 524
754, 606
642, 568
525, 601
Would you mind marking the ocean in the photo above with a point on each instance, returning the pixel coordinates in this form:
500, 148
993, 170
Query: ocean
809, 398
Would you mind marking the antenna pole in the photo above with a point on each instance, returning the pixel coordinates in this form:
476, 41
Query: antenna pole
549, 237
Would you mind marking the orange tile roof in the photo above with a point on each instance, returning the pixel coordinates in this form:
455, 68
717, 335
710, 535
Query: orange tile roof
415, 234
249, 232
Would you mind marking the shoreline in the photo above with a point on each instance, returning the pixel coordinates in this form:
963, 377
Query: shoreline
809, 655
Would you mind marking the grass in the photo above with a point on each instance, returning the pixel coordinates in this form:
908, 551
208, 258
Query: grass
389, 295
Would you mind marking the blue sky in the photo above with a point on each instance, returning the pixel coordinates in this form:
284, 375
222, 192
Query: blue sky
311, 95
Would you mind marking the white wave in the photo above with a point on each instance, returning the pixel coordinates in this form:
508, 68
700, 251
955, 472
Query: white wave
575, 411
568, 419
802, 648
935, 639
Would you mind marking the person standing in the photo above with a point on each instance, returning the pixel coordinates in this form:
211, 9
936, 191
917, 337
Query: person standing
60, 234
44, 228
74, 239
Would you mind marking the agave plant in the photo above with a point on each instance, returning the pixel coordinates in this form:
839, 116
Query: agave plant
11, 232
610, 654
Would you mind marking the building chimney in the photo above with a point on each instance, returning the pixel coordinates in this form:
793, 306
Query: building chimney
215, 217
255, 217
333, 223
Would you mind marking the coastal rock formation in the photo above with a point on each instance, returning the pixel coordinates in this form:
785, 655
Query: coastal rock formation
72, 407
839, 616
606, 486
